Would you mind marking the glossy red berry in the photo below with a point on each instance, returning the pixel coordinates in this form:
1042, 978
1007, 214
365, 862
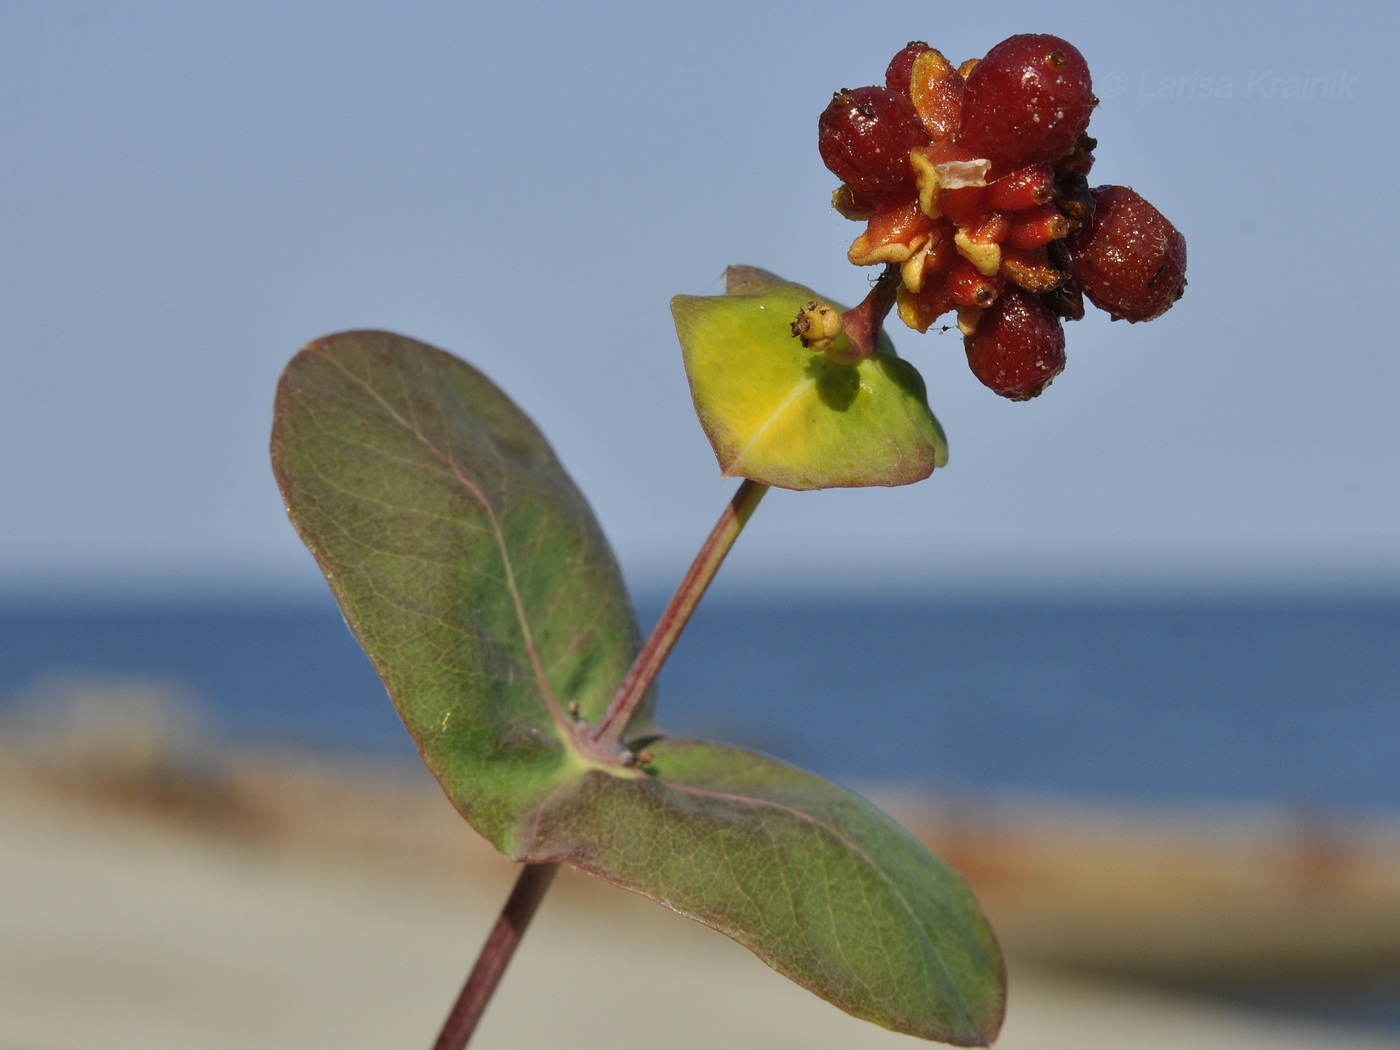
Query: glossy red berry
969, 287
1130, 261
865, 137
1027, 187
987, 209
1018, 346
901, 67
936, 89
1027, 102
1031, 268
1035, 227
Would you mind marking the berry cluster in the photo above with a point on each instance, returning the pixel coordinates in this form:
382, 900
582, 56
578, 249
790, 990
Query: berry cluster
972, 181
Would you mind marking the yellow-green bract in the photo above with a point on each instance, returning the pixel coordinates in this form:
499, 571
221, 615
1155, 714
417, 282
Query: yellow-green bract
782, 415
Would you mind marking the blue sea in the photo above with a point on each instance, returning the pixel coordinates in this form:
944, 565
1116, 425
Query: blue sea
1290, 702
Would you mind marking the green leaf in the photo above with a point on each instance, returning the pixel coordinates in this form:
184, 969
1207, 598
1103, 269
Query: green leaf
479, 583
783, 415
810, 877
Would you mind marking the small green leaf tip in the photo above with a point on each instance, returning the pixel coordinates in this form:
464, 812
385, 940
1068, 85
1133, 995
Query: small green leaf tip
795, 412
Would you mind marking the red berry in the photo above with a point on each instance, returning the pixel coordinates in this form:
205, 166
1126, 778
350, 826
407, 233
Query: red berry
920, 309
1025, 188
1131, 261
936, 89
1027, 102
1037, 226
967, 286
1018, 346
1031, 269
865, 137
966, 206
901, 67
951, 181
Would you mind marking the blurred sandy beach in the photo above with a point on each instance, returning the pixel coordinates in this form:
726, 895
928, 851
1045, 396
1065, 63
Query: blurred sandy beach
160, 896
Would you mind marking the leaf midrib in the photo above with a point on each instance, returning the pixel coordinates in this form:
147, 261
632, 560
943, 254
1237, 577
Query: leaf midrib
498, 537
856, 851
798, 390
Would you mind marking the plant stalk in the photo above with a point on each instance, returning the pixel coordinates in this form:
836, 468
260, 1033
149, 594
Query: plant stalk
677, 613
863, 322
496, 953
534, 879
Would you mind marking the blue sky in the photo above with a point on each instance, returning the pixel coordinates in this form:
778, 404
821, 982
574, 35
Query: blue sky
193, 191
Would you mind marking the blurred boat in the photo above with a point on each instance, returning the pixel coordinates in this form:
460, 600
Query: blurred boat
1240, 899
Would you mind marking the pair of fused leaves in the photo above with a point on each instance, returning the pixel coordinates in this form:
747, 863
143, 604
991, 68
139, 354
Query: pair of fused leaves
480, 585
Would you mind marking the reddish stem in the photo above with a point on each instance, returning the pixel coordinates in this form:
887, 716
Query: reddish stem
677, 613
534, 879
863, 322
496, 953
